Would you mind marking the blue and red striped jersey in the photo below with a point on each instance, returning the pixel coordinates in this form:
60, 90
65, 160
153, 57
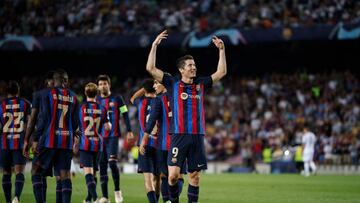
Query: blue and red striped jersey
187, 104
160, 114
92, 117
59, 120
114, 106
14, 115
143, 105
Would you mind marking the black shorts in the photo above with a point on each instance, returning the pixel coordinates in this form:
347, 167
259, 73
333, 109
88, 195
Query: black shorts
10, 158
147, 163
89, 159
187, 147
162, 157
110, 149
59, 159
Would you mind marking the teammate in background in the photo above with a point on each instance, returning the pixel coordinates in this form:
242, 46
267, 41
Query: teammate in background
58, 125
161, 113
15, 113
92, 118
186, 95
114, 106
308, 144
34, 119
147, 142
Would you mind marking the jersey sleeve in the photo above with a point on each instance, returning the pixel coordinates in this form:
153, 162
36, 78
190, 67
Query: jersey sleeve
44, 115
124, 111
153, 115
122, 106
137, 101
168, 80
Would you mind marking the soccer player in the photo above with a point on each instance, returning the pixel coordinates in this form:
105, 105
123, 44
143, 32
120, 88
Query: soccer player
35, 109
308, 144
15, 113
147, 142
160, 114
114, 106
186, 95
58, 125
92, 118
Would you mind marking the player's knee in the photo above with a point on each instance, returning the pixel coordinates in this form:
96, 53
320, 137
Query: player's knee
19, 169
173, 178
7, 171
64, 175
35, 170
194, 178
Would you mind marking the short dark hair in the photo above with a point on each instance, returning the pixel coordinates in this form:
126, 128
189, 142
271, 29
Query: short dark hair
13, 88
103, 77
60, 72
91, 90
180, 62
148, 85
49, 75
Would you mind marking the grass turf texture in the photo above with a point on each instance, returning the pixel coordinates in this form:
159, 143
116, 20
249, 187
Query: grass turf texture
227, 188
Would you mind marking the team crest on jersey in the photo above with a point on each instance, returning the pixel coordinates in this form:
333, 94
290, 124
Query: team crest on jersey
111, 104
197, 87
184, 96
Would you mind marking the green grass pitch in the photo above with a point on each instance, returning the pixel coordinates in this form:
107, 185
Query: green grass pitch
229, 188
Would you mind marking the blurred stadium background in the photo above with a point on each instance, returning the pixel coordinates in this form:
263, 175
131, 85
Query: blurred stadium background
290, 62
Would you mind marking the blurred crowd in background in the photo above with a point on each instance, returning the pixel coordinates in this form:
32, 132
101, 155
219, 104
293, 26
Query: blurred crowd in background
104, 17
253, 119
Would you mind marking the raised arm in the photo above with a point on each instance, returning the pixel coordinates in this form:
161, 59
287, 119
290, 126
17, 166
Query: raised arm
221, 68
150, 65
139, 93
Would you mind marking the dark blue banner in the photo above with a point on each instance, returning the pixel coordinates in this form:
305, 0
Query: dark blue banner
233, 37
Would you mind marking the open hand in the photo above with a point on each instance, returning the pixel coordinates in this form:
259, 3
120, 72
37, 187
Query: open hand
163, 35
218, 42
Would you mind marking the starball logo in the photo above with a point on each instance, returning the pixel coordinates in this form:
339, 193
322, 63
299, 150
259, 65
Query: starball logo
185, 96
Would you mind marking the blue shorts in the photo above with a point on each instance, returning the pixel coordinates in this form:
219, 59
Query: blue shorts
187, 147
110, 149
59, 159
147, 163
49, 171
162, 157
10, 158
89, 159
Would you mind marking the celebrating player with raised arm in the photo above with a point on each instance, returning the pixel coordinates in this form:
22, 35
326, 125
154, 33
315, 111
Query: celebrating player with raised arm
186, 95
